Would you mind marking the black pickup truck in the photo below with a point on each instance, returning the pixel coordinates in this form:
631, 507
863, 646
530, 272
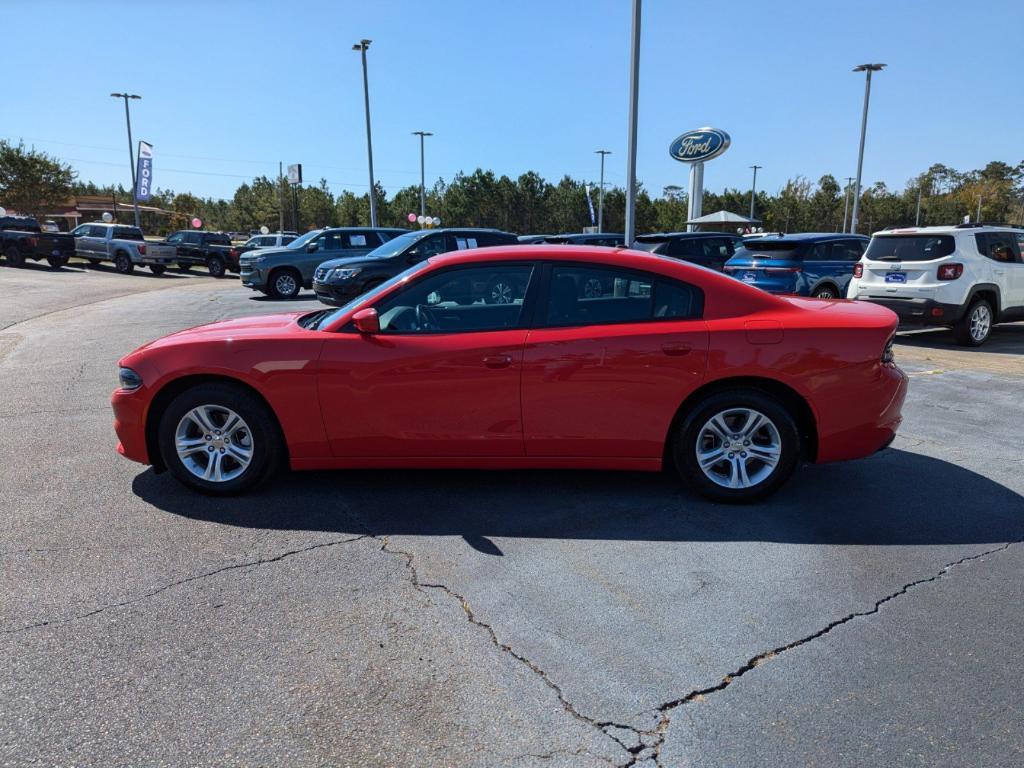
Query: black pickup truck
210, 249
21, 238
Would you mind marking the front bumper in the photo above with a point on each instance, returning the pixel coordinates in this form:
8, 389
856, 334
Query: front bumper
253, 277
335, 294
915, 312
130, 407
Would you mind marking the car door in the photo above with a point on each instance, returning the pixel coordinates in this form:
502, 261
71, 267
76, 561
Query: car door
84, 242
1003, 250
603, 375
441, 379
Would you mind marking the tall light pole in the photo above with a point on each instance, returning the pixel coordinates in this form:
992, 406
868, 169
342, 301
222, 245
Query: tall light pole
634, 92
753, 190
600, 193
868, 68
846, 204
361, 46
423, 188
131, 148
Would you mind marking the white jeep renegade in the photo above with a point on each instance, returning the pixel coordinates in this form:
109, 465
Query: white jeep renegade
964, 277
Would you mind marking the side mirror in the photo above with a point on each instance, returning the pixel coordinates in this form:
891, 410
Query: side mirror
366, 321
312, 248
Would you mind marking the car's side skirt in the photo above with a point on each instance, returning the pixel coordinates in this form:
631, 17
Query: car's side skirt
480, 462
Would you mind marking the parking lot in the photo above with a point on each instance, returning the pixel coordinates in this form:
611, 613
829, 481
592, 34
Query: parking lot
868, 614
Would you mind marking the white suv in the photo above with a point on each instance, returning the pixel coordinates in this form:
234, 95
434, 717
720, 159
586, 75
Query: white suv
964, 277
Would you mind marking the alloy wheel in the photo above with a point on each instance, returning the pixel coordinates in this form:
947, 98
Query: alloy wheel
738, 448
981, 322
501, 293
214, 443
286, 286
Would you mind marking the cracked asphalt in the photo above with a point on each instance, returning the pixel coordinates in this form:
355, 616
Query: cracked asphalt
870, 614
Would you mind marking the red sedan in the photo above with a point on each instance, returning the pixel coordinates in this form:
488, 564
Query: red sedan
515, 357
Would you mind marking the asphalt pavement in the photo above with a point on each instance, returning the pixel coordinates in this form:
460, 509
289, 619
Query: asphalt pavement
869, 614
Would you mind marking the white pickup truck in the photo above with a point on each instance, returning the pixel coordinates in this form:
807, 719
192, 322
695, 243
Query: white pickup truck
123, 245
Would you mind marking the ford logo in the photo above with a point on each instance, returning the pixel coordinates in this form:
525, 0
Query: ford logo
700, 145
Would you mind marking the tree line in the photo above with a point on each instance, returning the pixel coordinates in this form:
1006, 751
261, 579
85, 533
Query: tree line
32, 181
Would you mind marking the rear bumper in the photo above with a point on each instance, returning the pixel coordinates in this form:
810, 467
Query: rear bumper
919, 311
867, 423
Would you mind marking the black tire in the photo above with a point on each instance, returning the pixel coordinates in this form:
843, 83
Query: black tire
184, 267
826, 291
966, 333
216, 266
94, 262
123, 263
266, 443
14, 256
157, 269
56, 262
284, 283
691, 436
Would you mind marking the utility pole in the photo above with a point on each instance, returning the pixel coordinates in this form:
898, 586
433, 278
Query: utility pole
917, 214
846, 206
361, 46
978, 219
753, 190
423, 188
868, 68
634, 92
131, 149
280, 196
600, 192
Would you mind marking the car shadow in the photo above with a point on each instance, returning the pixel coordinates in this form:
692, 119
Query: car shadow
139, 271
300, 297
42, 266
893, 498
1007, 339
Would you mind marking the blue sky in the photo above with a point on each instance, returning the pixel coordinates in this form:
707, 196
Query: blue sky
229, 88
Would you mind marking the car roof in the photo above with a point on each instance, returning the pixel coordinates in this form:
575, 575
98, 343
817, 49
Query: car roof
948, 229
805, 237
657, 237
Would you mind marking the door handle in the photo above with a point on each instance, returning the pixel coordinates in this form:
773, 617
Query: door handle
498, 360
675, 350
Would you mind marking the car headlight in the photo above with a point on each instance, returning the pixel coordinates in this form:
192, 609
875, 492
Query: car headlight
129, 379
343, 273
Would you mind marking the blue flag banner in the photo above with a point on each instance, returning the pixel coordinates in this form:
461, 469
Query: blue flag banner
144, 172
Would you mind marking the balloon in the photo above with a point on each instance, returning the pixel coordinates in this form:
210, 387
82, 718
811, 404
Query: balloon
197, 222
107, 217
436, 222
264, 230
411, 217
420, 219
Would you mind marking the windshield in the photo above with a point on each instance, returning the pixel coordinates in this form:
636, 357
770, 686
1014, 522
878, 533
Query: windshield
909, 247
301, 242
397, 245
327, 316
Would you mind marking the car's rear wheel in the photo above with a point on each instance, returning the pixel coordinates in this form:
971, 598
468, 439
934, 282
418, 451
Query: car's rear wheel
184, 267
157, 269
94, 262
284, 283
13, 256
975, 326
56, 262
123, 264
219, 439
216, 266
737, 446
826, 292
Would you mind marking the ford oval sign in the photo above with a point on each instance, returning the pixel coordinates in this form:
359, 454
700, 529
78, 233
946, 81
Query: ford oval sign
700, 145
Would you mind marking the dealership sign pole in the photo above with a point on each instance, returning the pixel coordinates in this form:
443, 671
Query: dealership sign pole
696, 148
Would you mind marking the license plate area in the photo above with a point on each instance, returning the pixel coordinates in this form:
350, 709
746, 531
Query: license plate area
895, 277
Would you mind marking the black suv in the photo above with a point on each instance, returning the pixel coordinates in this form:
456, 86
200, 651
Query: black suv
338, 281
709, 249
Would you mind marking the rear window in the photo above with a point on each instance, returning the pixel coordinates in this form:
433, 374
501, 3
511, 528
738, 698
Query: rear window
768, 249
218, 239
651, 245
909, 247
127, 233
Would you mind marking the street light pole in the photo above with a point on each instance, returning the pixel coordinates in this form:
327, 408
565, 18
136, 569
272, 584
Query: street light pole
361, 46
600, 192
634, 91
131, 149
423, 189
753, 190
846, 204
868, 68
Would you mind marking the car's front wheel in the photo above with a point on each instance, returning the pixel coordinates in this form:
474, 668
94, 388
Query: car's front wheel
219, 439
284, 283
157, 269
737, 446
975, 326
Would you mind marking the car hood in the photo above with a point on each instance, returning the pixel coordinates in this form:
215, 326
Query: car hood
260, 326
350, 261
272, 250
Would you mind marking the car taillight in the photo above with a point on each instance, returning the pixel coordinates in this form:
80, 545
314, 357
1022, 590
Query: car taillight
858, 270
888, 356
950, 271
233, 253
32, 241
142, 249
779, 270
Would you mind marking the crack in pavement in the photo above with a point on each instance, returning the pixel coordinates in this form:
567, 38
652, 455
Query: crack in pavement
190, 579
700, 694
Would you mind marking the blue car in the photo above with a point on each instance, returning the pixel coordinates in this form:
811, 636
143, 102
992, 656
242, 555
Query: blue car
817, 264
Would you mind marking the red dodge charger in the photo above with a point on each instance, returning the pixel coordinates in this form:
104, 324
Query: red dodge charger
515, 357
